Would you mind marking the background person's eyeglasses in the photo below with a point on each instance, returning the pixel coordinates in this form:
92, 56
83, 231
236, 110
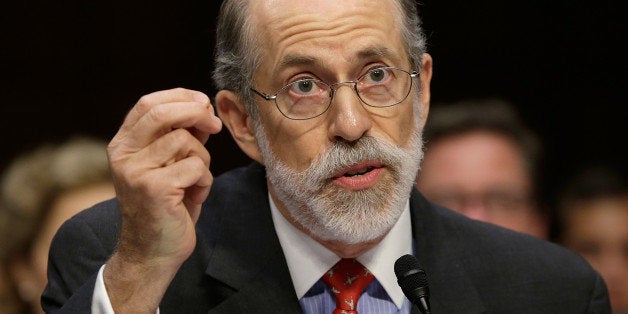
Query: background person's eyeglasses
494, 202
309, 98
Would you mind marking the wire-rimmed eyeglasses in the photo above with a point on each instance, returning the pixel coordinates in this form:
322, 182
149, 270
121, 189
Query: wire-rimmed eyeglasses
309, 98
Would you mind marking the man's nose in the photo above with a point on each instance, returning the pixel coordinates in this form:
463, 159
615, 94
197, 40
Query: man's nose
349, 119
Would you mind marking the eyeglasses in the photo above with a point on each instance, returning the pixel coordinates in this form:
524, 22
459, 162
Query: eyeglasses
497, 202
309, 98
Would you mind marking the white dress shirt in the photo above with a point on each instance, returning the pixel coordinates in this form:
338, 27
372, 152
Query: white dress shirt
308, 260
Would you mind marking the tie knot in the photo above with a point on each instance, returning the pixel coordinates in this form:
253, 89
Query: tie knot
347, 280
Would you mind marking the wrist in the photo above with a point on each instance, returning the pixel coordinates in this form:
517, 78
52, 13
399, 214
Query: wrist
137, 286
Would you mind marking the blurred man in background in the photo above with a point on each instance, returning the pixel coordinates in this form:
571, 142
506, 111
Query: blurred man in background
593, 221
482, 161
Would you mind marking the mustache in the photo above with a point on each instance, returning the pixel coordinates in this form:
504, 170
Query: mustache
343, 154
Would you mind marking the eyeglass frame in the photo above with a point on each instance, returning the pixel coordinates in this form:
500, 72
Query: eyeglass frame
497, 201
267, 97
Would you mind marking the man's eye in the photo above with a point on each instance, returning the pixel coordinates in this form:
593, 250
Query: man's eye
303, 86
377, 75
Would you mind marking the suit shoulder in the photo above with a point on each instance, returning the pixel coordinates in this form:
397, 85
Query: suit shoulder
482, 261
93, 231
493, 248
520, 247
79, 248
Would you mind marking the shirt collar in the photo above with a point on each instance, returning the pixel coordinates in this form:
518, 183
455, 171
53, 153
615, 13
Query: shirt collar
308, 260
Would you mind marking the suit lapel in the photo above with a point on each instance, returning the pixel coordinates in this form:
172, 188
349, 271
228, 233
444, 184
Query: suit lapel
245, 253
263, 285
451, 290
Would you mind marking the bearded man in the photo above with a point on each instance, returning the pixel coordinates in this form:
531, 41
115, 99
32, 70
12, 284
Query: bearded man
329, 99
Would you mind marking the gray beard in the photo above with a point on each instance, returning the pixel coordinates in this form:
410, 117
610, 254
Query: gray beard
332, 213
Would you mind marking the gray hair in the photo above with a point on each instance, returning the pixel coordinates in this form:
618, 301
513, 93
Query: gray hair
237, 54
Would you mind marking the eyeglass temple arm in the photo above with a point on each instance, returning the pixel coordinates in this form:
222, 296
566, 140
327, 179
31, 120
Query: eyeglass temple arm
265, 96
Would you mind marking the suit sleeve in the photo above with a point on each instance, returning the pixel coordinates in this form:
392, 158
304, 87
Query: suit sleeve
80, 247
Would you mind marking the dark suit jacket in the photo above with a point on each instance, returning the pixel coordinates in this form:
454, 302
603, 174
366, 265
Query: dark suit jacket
238, 265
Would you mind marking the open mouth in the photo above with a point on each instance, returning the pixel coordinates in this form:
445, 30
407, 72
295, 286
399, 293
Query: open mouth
359, 176
358, 172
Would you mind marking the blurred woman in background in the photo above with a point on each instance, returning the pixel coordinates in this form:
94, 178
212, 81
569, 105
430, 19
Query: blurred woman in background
38, 192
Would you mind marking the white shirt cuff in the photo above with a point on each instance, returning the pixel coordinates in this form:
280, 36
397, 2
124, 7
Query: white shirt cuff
100, 300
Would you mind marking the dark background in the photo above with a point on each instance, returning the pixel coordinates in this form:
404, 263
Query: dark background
74, 67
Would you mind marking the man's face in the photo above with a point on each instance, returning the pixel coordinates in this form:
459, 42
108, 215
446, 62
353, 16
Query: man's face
346, 174
482, 175
597, 230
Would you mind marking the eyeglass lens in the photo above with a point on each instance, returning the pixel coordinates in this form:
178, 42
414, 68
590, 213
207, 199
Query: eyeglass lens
308, 98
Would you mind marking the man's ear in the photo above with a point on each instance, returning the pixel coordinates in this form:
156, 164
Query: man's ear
426, 78
233, 114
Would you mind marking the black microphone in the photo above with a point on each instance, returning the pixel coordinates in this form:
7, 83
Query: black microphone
413, 282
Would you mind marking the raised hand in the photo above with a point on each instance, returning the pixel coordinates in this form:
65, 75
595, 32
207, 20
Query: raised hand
160, 168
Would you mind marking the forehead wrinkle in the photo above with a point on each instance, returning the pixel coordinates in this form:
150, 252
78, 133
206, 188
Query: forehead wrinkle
296, 38
291, 60
297, 29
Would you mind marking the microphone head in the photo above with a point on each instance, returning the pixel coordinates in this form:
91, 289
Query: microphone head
411, 278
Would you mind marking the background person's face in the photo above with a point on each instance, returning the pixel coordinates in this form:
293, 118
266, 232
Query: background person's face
598, 230
30, 272
483, 176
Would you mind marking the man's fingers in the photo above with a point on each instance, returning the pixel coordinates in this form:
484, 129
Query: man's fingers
157, 113
188, 172
163, 118
196, 195
167, 187
146, 102
172, 147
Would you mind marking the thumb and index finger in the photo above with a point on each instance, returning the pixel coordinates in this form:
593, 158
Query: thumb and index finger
160, 112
